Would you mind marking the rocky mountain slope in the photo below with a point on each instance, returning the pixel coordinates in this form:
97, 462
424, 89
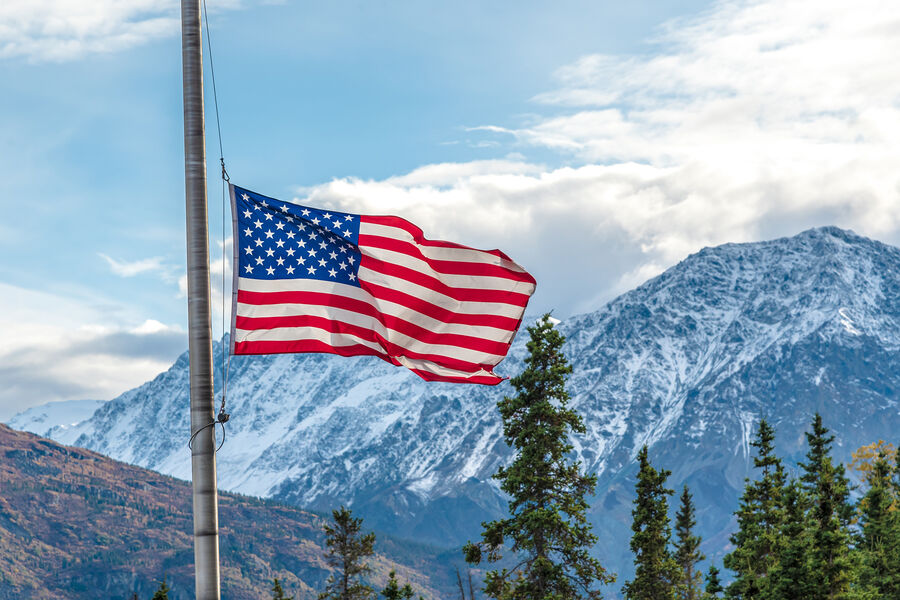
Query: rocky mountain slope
687, 363
75, 524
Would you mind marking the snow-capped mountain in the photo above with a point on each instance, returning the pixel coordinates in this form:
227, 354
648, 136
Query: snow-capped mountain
46, 418
686, 363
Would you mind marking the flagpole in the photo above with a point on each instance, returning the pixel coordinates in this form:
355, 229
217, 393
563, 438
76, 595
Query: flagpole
203, 454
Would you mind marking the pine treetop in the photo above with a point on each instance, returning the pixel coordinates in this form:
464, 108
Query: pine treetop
347, 549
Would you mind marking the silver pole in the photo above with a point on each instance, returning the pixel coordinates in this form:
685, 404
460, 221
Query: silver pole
203, 455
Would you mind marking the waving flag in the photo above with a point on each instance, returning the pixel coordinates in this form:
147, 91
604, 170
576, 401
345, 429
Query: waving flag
311, 280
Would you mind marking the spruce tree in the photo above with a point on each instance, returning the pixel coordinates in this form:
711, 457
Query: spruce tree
278, 591
713, 585
687, 550
547, 528
348, 548
162, 592
394, 591
880, 530
656, 572
831, 566
791, 577
759, 518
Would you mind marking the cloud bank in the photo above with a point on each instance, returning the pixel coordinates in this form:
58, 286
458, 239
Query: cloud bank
752, 121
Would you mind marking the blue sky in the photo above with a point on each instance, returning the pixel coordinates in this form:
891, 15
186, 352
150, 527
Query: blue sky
596, 143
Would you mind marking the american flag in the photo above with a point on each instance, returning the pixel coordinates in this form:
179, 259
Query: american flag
313, 280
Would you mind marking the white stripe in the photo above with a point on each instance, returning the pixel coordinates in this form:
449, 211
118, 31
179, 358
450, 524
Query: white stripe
499, 309
465, 307
475, 282
287, 334
336, 340
430, 367
438, 252
286, 309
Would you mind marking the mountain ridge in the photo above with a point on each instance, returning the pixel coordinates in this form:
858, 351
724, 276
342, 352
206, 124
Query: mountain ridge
686, 363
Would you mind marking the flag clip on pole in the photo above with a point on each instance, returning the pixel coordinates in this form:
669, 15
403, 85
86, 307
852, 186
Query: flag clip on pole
203, 454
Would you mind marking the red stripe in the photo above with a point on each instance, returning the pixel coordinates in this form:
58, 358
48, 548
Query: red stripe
393, 323
419, 236
390, 348
436, 312
450, 267
426, 281
364, 308
292, 346
483, 379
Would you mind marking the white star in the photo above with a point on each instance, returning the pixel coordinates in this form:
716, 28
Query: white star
247, 214
284, 208
313, 235
290, 270
249, 269
258, 242
333, 255
279, 225
312, 252
351, 276
268, 217
248, 250
269, 252
269, 234
343, 249
264, 203
315, 221
312, 270
279, 243
327, 216
248, 231
348, 217
270, 270
290, 251
290, 235
301, 226
323, 245
343, 266
351, 259
301, 261
259, 260
305, 212
289, 219
258, 223
332, 272
280, 261
245, 196
346, 233
321, 262
301, 244
337, 224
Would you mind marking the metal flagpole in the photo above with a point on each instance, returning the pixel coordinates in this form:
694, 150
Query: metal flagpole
203, 452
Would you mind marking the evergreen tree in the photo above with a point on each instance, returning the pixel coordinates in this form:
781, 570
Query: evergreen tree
713, 585
278, 592
759, 519
790, 577
880, 530
393, 590
656, 572
687, 549
831, 566
547, 528
348, 547
162, 592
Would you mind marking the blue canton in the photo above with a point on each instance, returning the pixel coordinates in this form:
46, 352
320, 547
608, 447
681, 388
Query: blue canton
279, 240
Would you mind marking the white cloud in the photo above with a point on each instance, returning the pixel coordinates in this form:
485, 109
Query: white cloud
131, 268
754, 120
62, 30
60, 347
